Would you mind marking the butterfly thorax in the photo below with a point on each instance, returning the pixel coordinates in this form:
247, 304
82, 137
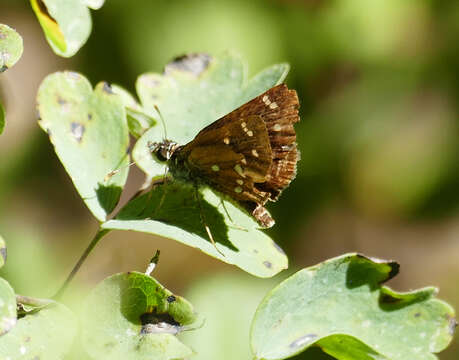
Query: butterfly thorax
163, 150
170, 153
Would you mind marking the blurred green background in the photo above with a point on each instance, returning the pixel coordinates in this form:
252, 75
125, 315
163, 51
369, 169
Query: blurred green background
378, 83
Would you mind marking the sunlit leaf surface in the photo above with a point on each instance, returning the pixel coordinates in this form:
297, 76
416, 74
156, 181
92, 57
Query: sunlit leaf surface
341, 306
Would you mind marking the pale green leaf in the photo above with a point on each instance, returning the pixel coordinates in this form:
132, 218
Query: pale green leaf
11, 48
90, 135
7, 307
94, 4
45, 334
130, 316
66, 24
7, 298
341, 306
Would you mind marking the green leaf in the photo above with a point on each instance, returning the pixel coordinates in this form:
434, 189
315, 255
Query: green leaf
179, 217
132, 316
8, 312
7, 307
90, 135
66, 24
94, 4
11, 47
46, 334
193, 92
138, 120
340, 306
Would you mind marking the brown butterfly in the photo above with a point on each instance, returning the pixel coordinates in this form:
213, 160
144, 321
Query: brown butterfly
249, 155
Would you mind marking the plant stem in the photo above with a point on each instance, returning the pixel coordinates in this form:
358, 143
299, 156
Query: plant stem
100, 234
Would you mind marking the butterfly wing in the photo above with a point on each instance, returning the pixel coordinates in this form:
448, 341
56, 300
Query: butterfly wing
278, 108
232, 158
251, 153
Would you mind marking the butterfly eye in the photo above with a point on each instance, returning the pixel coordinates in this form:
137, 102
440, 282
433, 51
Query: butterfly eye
153, 146
162, 154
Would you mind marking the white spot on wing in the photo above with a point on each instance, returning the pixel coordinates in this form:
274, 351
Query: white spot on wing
215, 168
255, 153
238, 189
250, 133
226, 140
273, 105
266, 100
277, 127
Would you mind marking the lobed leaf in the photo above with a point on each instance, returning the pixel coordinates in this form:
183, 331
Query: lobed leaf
341, 306
90, 136
132, 316
66, 24
194, 91
45, 334
11, 48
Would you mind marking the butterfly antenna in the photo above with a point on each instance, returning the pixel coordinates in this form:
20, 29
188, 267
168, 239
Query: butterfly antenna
116, 171
162, 120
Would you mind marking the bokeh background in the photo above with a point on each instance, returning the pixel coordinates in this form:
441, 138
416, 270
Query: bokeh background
379, 88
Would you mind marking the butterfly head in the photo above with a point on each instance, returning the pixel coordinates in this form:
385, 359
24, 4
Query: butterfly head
163, 150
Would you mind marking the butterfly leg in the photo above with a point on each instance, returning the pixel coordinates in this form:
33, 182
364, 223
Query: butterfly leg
162, 182
203, 221
229, 217
226, 210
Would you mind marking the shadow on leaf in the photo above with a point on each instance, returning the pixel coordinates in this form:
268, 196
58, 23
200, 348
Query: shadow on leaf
365, 271
176, 204
108, 196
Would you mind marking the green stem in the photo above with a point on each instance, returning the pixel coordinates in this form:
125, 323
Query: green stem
100, 234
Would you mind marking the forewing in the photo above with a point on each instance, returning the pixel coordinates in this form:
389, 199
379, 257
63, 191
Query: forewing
278, 108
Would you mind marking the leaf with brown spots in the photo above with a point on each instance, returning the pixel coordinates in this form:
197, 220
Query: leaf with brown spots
89, 131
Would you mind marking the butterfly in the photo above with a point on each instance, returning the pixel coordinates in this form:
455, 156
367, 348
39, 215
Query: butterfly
249, 155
